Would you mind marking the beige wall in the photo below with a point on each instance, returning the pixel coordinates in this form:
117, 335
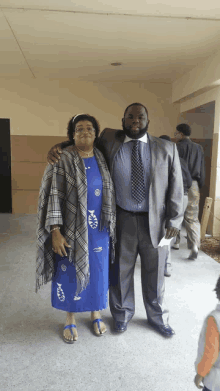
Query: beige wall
204, 76
40, 109
28, 163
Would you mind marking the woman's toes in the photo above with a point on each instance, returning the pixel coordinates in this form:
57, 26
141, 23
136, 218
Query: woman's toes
71, 336
75, 337
99, 327
67, 335
103, 328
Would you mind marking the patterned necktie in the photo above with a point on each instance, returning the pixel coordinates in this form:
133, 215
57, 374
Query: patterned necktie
137, 173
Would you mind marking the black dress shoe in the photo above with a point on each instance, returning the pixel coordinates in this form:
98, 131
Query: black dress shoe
167, 271
193, 255
120, 327
175, 246
164, 330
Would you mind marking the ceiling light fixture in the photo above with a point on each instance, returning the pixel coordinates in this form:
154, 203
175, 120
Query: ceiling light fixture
116, 64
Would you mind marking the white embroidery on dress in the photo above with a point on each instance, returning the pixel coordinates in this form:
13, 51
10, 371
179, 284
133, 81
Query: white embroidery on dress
98, 249
63, 267
97, 192
87, 168
76, 298
60, 293
93, 221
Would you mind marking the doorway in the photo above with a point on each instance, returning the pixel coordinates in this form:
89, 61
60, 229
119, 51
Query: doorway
201, 120
5, 167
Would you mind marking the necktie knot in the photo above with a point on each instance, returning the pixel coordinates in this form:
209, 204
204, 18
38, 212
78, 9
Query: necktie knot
136, 143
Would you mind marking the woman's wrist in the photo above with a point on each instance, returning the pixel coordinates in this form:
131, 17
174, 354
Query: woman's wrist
54, 228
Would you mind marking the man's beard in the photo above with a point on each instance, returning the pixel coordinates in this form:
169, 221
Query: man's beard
135, 135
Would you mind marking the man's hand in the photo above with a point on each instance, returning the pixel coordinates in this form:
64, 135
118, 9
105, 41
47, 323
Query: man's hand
198, 379
54, 154
59, 243
171, 232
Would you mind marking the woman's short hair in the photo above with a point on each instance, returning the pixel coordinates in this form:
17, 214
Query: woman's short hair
81, 117
217, 289
184, 128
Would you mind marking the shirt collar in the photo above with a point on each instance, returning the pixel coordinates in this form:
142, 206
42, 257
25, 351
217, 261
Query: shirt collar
184, 139
143, 139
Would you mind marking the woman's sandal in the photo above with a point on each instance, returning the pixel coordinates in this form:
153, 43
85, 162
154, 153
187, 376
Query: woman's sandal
69, 326
98, 333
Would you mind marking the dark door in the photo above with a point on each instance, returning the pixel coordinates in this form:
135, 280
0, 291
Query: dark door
5, 167
204, 191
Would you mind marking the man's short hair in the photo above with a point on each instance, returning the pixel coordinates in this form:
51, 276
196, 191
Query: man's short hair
136, 104
217, 289
184, 128
165, 137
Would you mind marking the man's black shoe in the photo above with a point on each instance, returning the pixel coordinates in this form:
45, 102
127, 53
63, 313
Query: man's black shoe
167, 271
164, 330
193, 255
120, 327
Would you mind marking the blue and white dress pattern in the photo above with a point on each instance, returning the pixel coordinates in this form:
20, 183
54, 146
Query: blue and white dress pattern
64, 285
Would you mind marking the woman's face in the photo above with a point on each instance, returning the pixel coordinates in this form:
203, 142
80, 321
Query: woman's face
84, 134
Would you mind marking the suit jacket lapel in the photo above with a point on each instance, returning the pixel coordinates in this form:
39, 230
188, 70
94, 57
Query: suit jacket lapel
153, 150
119, 139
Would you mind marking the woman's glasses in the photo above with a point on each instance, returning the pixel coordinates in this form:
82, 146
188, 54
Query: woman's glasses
89, 129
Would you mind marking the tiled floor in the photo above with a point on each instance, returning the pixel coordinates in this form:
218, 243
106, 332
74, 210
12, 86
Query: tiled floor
35, 358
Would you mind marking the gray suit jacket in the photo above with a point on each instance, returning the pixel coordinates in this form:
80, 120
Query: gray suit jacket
166, 187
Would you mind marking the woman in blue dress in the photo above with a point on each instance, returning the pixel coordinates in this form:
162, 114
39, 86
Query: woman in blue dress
76, 227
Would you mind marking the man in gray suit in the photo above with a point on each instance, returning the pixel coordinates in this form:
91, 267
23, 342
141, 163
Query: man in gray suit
149, 195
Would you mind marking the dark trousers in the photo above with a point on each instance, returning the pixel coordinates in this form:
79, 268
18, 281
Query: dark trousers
133, 238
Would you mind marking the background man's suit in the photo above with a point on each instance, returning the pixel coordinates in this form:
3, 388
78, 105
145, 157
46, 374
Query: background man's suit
142, 232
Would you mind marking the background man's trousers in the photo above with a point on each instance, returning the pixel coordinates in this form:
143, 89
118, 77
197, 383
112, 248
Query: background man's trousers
177, 240
133, 238
191, 220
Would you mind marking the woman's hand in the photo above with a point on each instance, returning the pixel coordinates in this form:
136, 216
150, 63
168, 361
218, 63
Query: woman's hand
198, 379
59, 243
54, 154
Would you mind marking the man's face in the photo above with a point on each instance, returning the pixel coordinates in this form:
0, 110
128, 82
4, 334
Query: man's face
135, 122
178, 136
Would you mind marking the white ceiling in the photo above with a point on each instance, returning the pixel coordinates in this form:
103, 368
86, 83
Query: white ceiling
63, 39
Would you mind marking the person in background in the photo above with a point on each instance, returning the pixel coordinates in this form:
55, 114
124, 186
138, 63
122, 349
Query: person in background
207, 363
193, 155
76, 228
187, 183
148, 184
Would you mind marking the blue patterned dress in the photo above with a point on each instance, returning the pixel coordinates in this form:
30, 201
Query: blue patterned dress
94, 297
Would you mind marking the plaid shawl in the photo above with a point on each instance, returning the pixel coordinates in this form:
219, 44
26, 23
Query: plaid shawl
63, 201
